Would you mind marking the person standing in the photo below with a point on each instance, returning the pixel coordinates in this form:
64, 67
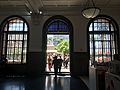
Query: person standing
67, 59
55, 63
49, 63
60, 64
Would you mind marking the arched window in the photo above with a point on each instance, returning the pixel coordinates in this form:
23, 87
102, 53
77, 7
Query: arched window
102, 39
15, 40
57, 26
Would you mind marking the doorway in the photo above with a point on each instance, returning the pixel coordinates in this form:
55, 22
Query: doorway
58, 45
57, 29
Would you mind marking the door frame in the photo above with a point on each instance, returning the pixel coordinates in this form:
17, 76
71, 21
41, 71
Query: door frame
44, 37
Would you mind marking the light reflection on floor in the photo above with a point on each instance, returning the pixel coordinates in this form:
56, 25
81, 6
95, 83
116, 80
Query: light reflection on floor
12, 85
59, 83
42, 83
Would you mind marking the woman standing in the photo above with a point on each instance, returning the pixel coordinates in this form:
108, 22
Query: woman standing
49, 63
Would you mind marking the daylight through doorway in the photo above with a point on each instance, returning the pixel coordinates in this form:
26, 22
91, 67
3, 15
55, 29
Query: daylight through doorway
58, 45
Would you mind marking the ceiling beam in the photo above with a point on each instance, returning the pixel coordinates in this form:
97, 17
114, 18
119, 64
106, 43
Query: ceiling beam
34, 5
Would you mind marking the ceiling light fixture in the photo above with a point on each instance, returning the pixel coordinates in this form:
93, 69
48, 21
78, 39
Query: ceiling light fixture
40, 12
30, 12
90, 10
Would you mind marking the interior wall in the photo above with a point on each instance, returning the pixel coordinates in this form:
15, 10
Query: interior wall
35, 59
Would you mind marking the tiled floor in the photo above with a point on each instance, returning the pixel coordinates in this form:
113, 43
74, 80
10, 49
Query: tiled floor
42, 83
85, 79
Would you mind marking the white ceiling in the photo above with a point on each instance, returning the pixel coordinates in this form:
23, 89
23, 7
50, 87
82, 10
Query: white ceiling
36, 5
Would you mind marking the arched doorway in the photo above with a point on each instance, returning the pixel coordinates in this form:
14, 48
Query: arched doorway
57, 35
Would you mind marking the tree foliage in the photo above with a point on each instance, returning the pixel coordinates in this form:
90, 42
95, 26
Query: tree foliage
62, 46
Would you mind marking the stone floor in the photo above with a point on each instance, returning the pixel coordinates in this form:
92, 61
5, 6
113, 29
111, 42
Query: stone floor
43, 83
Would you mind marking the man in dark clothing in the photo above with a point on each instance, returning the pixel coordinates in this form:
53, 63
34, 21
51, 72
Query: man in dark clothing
60, 64
56, 65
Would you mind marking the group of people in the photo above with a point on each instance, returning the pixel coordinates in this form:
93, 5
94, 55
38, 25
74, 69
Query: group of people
57, 62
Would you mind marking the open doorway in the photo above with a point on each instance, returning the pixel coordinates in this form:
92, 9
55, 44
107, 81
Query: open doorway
57, 29
58, 45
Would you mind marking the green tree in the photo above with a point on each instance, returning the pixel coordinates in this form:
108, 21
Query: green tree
49, 40
63, 46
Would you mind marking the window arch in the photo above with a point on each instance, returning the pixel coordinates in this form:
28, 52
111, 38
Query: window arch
103, 36
58, 25
15, 40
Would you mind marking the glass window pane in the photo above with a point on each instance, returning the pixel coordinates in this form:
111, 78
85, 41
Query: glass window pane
15, 41
101, 40
58, 26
